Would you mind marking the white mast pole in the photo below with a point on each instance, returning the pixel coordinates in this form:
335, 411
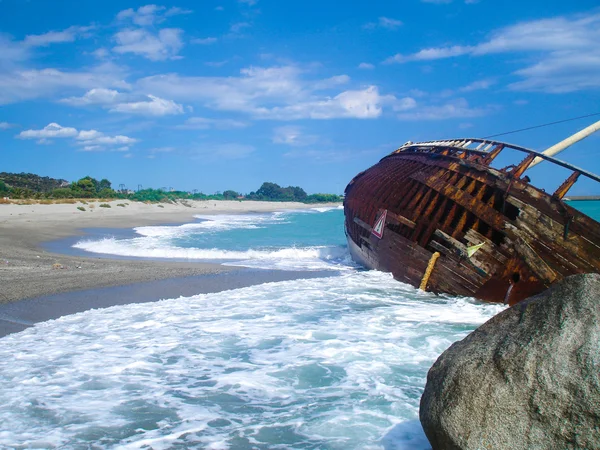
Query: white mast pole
557, 148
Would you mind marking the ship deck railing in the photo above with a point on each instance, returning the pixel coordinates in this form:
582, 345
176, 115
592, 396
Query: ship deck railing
484, 151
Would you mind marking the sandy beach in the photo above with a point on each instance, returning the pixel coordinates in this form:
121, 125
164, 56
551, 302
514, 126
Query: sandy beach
28, 271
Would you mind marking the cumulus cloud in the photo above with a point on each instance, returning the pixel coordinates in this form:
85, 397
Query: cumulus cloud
564, 51
94, 137
6, 125
357, 104
367, 66
88, 139
279, 93
155, 107
52, 130
96, 96
149, 15
115, 101
161, 46
19, 85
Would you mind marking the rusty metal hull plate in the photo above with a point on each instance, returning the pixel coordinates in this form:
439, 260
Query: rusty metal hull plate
500, 239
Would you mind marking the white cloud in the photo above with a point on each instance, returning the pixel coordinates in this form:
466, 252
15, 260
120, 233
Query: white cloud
204, 123
204, 41
367, 66
478, 85
97, 96
356, 104
176, 11
149, 15
155, 107
52, 130
430, 54
403, 104
91, 148
330, 83
384, 22
278, 93
244, 93
293, 136
12, 51
249, 2
89, 140
456, 109
155, 47
17, 51
94, 137
148, 105
55, 37
564, 52
22, 85
6, 125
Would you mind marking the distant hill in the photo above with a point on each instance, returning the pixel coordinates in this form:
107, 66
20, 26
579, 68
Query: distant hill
32, 182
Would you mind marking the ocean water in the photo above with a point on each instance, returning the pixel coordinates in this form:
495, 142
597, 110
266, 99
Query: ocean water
329, 363
589, 207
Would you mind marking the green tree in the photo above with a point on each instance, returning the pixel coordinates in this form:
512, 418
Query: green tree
104, 184
230, 195
269, 190
62, 193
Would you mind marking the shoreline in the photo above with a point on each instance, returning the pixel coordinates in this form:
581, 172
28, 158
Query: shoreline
20, 315
28, 270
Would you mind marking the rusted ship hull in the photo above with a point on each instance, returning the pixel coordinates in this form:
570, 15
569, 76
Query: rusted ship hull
499, 238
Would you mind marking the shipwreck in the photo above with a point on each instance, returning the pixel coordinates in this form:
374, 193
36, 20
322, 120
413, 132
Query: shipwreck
438, 216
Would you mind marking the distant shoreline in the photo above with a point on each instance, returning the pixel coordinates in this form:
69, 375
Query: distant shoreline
582, 198
27, 270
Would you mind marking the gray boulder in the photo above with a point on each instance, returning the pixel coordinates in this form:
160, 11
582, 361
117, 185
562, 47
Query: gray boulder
529, 378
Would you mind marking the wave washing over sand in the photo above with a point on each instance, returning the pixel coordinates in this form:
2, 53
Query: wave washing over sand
336, 363
276, 240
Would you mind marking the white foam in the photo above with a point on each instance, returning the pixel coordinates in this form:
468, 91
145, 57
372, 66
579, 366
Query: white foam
214, 223
289, 258
327, 208
334, 363
161, 242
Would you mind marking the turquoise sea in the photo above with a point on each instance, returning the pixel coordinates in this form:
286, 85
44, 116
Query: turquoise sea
338, 362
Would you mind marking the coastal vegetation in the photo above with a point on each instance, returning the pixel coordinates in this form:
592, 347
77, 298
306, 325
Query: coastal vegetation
28, 186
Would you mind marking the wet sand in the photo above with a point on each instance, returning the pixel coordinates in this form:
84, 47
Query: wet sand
17, 316
29, 271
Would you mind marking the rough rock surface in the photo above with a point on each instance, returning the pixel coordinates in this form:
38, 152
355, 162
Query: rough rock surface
529, 378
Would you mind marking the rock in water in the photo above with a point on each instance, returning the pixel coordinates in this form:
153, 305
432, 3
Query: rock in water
529, 378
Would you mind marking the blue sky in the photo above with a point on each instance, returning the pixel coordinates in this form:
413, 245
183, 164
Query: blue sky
226, 94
